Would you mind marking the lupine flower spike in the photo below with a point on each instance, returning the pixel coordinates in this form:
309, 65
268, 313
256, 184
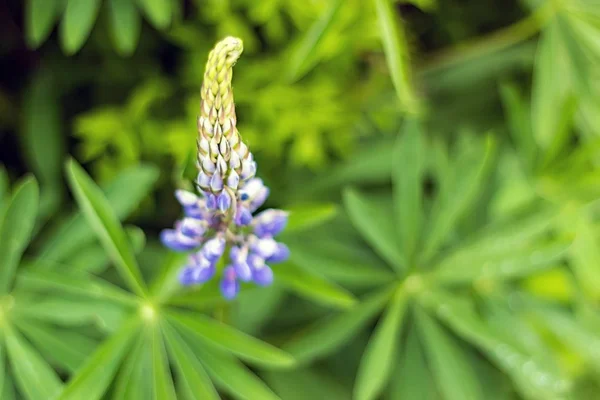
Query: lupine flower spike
220, 219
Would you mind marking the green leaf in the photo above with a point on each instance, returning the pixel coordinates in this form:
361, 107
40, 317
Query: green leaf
40, 16
303, 57
107, 226
16, 230
66, 349
158, 12
550, 85
585, 258
412, 378
132, 381
34, 377
77, 23
371, 217
94, 377
521, 367
306, 216
4, 188
331, 333
302, 384
519, 123
9, 392
312, 286
230, 339
408, 169
80, 284
451, 368
232, 376
3, 369
43, 138
124, 194
126, 25
255, 308
509, 265
469, 175
377, 362
190, 371
396, 54
163, 384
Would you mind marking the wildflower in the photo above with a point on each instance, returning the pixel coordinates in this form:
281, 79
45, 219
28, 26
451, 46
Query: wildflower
220, 219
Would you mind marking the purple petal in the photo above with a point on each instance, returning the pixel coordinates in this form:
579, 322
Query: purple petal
243, 216
203, 180
213, 249
211, 201
224, 201
177, 241
216, 183
233, 180
185, 198
192, 227
263, 276
280, 255
270, 222
243, 271
265, 247
230, 287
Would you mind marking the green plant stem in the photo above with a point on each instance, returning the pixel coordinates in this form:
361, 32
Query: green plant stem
495, 41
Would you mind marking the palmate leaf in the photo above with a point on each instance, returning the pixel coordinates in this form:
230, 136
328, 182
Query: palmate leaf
35, 378
452, 370
300, 384
124, 193
231, 375
469, 174
371, 217
312, 286
408, 170
230, 339
157, 11
377, 362
107, 226
302, 217
161, 374
331, 333
93, 378
194, 378
585, 257
524, 370
131, 382
40, 16
412, 377
16, 229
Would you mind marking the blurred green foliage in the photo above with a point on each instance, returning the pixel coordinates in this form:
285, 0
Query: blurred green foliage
440, 160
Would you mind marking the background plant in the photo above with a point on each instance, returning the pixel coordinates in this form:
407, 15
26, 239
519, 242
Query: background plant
439, 159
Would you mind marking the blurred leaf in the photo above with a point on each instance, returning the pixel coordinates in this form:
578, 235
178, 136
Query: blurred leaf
585, 258
4, 189
412, 378
331, 333
16, 230
470, 174
161, 373
230, 339
307, 216
126, 25
301, 384
550, 85
312, 286
408, 168
42, 137
454, 374
40, 16
302, 58
132, 381
255, 308
66, 349
34, 377
523, 369
231, 375
107, 226
124, 194
396, 54
157, 11
81, 284
9, 392
190, 372
94, 377
371, 218
377, 362
77, 23
519, 123
518, 263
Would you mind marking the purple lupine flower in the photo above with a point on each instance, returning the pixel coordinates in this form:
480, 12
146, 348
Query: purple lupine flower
220, 218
